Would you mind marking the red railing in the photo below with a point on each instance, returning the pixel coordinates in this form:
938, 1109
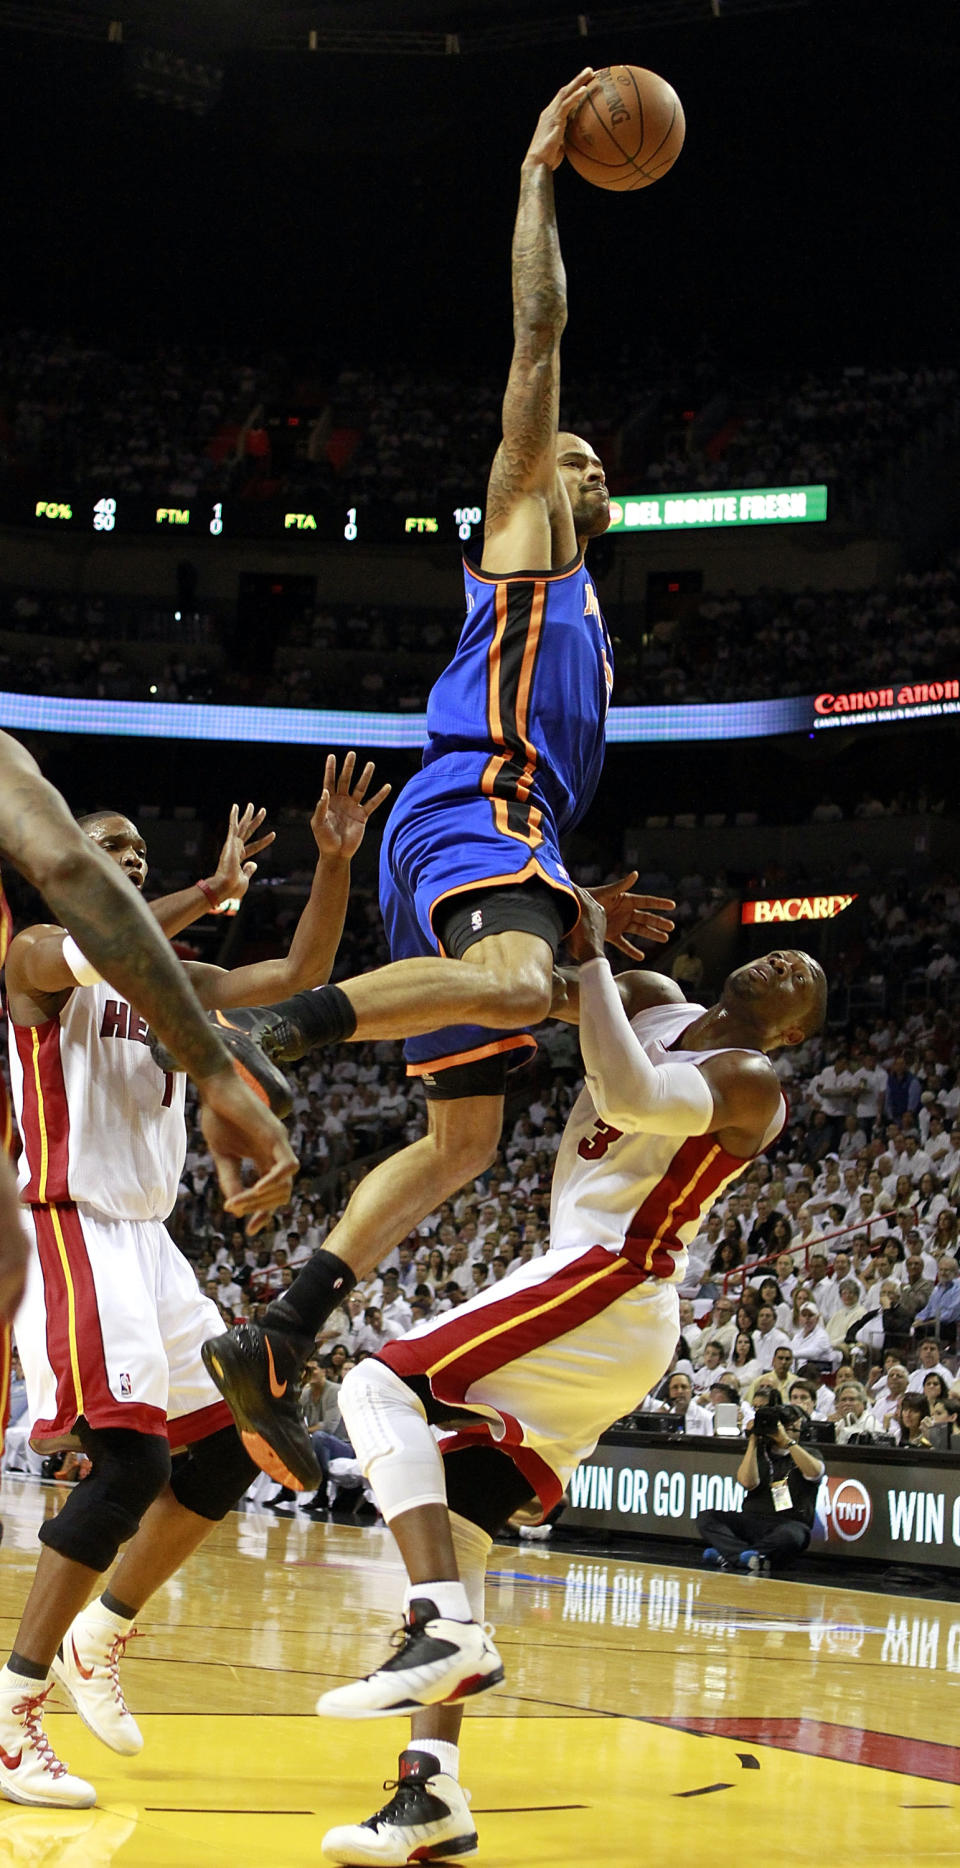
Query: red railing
746, 1273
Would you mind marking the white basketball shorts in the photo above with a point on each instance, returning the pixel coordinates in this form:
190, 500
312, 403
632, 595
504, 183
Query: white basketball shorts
111, 1327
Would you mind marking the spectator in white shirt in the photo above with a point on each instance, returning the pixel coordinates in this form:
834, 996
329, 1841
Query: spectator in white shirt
852, 1140
850, 1309
811, 1342
852, 1414
681, 1404
711, 1365
912, 1159
768, 1336
928, 1354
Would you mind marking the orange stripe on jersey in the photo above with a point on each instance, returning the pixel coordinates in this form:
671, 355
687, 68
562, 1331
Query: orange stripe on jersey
509, 775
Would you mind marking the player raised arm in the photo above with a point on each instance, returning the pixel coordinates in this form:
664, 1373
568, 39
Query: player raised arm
117, 935
230, 880
528, 518
735, 1095
338, 824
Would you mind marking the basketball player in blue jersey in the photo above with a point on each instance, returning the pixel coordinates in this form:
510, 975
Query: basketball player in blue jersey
471, 865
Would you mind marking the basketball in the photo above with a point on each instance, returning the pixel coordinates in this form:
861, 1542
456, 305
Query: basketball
628, 131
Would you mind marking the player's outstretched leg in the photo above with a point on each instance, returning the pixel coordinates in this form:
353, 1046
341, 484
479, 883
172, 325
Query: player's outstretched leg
257, 1372
427, 1819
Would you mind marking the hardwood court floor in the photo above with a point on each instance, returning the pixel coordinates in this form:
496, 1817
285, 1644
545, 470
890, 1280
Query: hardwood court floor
652, 1715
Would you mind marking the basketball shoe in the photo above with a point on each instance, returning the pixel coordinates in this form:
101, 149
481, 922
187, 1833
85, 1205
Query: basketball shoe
30, 1771
255, 1371
437, 1662
87, 1666
428, 1819
244, 1031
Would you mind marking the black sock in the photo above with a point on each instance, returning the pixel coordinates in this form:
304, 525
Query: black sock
324, 1282
31, 1669
324, 1016
110, 1601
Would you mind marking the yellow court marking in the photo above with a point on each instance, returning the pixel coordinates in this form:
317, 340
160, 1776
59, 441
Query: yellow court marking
565, 1767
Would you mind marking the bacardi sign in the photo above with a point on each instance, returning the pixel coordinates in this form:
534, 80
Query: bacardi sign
795, 908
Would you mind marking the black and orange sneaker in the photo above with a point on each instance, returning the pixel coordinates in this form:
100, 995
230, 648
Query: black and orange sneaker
243, 1030
257, 1372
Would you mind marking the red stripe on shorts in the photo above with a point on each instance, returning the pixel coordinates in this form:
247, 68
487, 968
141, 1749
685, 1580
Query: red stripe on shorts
198, 1424
80, 1351
483, 1337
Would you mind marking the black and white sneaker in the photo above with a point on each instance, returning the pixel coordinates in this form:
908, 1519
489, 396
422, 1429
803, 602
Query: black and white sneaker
428, 1819
256, 1372
437, 1662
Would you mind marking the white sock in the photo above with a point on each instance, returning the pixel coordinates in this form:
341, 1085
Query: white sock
447, 1756
18, 1683
450, 1599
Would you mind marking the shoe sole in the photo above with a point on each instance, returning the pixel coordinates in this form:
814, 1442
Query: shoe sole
242, 1395
405, 1707
458, 1847
79, 1708
43, 1803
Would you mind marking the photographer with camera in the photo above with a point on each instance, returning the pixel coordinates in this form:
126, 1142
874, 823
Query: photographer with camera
781, 1478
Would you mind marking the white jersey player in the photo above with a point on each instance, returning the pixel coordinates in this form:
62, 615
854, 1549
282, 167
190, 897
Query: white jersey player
524, 1378
112, 1322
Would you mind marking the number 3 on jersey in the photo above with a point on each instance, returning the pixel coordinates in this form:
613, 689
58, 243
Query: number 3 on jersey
594, 1147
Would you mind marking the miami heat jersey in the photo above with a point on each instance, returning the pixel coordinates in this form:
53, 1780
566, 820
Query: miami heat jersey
638, 1194
101, 1123
526, 695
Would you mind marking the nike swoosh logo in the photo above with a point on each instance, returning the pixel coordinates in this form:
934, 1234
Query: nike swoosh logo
86, 1673
277, 1389
12, 1764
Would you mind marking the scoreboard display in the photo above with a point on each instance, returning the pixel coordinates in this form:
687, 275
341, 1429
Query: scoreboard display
352, 520
378, 523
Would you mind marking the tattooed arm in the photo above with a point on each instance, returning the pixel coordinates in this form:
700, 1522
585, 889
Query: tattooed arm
528, 518
118, 935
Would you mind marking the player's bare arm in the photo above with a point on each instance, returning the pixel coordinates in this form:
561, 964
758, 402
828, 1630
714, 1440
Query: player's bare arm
529, 521
234, 872
338, 824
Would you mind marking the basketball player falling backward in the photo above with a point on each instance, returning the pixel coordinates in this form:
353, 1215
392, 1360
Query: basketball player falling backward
471, 863
112, 1321
525, 1377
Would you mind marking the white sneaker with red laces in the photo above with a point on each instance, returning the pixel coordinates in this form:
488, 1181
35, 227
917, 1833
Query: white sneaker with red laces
30, 1771
88, 1669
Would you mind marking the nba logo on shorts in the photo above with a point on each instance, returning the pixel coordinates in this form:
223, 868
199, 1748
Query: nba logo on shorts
126, 1385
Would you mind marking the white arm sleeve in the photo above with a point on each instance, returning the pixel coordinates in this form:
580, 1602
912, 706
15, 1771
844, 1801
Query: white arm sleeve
80, 967
629, 1091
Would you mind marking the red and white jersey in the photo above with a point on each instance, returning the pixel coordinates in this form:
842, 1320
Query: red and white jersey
642, 1195
101, 1123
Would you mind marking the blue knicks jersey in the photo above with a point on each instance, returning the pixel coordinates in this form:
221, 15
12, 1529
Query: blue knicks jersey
527, 691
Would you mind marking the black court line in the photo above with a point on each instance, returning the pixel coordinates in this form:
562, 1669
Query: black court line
706, 1790
208, 1809
748, 1761
528, 1809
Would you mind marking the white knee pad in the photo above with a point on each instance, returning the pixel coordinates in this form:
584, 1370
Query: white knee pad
389, 1433
473, 1547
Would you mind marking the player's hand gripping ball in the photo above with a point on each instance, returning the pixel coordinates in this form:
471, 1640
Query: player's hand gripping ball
628, 131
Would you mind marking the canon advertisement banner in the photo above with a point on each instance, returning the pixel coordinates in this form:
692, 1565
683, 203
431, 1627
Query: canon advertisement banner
871, 1505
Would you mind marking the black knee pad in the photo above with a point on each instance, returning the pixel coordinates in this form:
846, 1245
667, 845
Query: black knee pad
212, 1474
129, 1470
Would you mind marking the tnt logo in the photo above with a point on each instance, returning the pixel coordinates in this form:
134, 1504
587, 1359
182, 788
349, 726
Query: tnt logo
848, 1510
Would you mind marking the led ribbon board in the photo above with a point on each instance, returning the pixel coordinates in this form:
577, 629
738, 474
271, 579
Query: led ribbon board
310, 726
685, 512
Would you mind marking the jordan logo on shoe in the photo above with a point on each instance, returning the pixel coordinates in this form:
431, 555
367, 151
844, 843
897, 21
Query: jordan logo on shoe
12, 1764
86, 1673
277, 1389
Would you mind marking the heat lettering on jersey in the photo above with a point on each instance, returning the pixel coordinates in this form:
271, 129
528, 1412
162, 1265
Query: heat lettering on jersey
594, 1147
121, 1021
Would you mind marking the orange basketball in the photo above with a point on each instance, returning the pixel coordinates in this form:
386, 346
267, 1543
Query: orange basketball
628, 131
